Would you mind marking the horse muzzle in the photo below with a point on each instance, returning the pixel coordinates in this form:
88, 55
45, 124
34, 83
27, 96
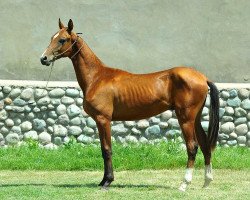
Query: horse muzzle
44, 60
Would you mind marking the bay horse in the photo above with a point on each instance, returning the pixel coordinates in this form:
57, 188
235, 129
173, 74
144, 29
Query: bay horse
114, 95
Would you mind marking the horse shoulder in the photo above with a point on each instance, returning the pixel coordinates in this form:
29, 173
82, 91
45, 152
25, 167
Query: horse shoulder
98, 99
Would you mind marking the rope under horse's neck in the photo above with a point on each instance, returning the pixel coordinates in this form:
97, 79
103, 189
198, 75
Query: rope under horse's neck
79, 49
75, 42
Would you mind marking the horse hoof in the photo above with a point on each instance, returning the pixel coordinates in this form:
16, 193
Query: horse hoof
102, 182
183, 186
207, 182
105, 182
182, 189
104, 188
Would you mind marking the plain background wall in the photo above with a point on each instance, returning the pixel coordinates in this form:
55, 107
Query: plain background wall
136, 35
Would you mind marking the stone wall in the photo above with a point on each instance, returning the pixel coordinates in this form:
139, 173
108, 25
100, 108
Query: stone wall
53, 115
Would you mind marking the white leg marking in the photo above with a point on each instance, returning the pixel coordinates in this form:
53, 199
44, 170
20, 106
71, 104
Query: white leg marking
187, 179
208, 175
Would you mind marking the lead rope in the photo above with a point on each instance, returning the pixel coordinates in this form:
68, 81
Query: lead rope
46, 86
47, 82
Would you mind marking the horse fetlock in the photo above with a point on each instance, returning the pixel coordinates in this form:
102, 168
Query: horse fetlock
209, 177
188, 175
109, 177
208, 172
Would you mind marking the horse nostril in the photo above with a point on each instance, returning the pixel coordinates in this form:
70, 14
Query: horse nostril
43, 60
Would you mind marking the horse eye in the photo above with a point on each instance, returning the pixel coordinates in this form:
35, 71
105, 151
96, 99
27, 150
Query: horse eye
62, 41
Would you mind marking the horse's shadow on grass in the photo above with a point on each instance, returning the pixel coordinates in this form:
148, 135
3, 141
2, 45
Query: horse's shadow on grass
94, 185
87, 185
21, 184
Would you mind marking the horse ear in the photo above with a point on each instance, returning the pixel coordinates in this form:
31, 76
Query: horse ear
70, 26
60, 24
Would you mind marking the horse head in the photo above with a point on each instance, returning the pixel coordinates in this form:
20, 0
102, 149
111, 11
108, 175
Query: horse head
61, 44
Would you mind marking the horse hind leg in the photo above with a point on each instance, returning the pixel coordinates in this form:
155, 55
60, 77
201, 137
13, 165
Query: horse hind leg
187, 123
206, 150
208, 175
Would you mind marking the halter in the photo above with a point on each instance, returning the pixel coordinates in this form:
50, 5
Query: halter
58, 55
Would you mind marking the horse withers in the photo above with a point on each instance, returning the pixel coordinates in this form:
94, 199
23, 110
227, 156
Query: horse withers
112, 94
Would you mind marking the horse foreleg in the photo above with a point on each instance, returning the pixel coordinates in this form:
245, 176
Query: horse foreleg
103, 125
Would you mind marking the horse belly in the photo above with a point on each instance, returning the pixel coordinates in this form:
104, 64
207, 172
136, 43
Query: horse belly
140, 98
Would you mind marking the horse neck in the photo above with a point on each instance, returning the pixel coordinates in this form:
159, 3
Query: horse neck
86, 65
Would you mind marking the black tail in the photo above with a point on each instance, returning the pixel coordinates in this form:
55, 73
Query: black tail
213, 129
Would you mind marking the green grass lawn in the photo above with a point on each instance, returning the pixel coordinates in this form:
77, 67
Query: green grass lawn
76, 157
129, 185
141, 172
